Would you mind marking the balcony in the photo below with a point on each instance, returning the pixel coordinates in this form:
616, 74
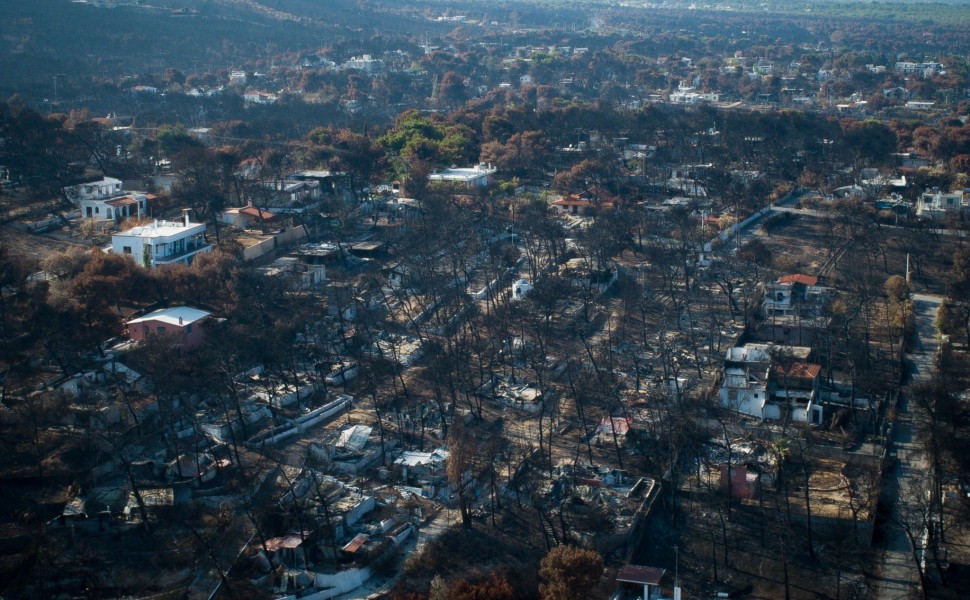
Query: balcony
184, 255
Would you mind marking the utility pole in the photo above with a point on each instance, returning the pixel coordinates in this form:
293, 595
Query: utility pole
677, 572
676, 566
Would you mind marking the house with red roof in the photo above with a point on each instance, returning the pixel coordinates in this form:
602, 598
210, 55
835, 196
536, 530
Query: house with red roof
639, 581
116, 208
774, 382
250, 217
586, 203
794, 294
795, 389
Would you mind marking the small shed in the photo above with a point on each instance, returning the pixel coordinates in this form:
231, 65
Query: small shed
647, 577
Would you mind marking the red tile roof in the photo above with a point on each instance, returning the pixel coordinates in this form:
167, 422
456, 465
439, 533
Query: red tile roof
799, 370
640, 575
577, 200
355, 544
252, 211
799, 278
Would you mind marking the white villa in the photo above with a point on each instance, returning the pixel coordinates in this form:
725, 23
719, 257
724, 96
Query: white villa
935, 204
106, 200
478, 176
162, 242
117, 209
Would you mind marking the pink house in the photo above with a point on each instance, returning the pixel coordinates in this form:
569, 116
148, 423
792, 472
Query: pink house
181, 321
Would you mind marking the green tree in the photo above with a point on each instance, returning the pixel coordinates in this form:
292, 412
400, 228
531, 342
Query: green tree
172, 139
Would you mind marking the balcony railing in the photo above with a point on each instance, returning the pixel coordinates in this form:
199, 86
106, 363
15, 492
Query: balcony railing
189, 250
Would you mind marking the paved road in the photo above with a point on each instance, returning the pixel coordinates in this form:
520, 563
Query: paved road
959, 233
897, 578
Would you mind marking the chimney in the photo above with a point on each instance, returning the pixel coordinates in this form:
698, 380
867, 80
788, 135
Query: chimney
185, 216
180, 320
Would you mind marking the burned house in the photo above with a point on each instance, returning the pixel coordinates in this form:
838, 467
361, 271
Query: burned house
599, 508
772, 382
423, 473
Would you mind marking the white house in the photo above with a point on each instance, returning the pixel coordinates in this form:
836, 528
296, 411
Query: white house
95, 190
118, 208
757, 384
478, 176
924, 69
745, 386
935, 204
162, 242
794, 294
365, 63
521, 289
258, 97
688, 96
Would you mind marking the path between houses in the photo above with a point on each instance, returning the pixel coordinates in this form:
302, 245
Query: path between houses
897, 578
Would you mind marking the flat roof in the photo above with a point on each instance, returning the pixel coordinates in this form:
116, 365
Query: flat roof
462, 174
368, 246
312, 173
287, 541
176, 315
161, 229
413, 458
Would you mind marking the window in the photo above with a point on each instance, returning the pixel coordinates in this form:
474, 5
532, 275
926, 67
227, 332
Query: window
97, 210
160, 330
147, 329
126, 249
188, 328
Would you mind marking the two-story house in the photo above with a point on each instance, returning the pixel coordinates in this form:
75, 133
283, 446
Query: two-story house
94, 190
934, 204
162, 242
106, 200
794, 294
768, 382
745, 385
